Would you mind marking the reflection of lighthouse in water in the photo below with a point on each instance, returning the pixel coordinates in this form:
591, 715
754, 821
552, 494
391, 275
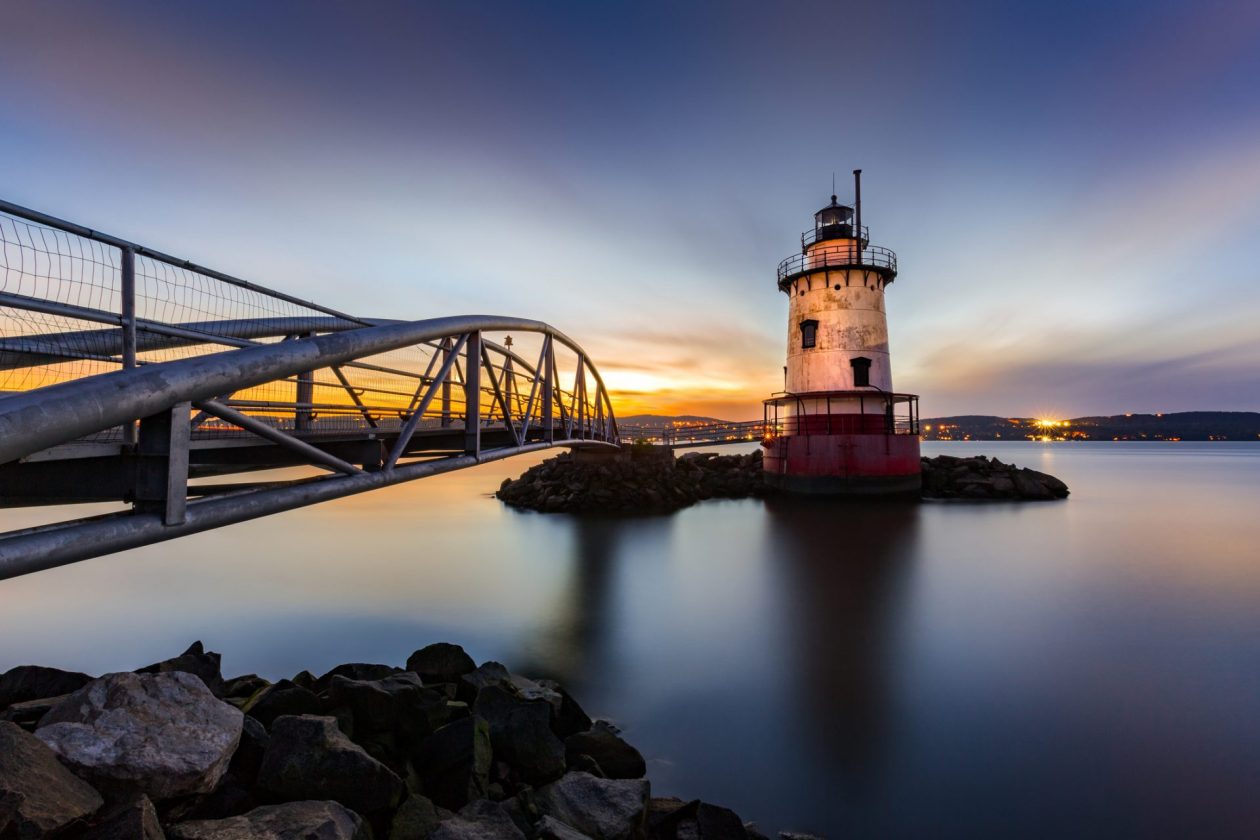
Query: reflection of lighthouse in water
838, 427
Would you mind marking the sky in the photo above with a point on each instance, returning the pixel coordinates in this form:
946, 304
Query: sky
1072, 188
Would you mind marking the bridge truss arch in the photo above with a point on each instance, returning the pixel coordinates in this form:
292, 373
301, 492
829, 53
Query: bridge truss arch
156, 396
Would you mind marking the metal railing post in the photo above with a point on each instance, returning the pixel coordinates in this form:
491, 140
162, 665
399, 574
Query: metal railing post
127, 270
549, 433
446, 386
472, 394
304, 395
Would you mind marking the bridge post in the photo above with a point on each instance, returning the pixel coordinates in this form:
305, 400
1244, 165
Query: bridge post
127, 291
549, 433
472, 394
304, 395
161, 483
446, 385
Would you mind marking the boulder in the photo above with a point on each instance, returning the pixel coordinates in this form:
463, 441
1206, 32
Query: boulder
454, 762
569, 718
616, 758
308, 757
550, 828
397, 703
238, 690
698, 820
489, 673
164, 734
134, 818
356, 671
520, 733
603, 809
291, 821
37, 794
249, 752
28, 714
415, 819
480, 820
441, 662
33, 682
283, 698
195, 661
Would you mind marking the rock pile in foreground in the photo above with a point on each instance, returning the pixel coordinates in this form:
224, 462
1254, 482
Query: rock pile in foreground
980, 478
442, 749
654, 482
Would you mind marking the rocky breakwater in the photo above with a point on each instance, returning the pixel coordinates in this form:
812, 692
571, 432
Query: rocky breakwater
442, 749
651, 481
640, 480
980, 478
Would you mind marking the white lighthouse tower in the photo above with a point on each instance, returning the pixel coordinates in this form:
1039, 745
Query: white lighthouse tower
838, 426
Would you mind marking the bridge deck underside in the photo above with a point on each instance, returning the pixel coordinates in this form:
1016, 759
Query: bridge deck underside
103, 472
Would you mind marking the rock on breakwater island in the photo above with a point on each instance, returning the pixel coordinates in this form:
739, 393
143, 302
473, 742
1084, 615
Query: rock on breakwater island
652, 481
441, 750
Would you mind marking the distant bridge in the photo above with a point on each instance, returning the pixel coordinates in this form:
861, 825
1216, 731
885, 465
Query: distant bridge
681, 436
130, 376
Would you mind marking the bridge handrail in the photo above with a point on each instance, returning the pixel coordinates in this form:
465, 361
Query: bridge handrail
140, 250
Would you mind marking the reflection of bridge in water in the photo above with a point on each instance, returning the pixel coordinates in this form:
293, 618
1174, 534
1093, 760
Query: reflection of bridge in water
130, 376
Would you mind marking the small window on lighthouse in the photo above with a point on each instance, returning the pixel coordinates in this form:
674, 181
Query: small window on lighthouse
861, 372
809, 333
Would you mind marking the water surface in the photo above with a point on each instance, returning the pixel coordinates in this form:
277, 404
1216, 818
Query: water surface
1083, 668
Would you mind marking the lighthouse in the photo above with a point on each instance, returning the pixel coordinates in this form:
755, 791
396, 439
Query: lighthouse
838, 427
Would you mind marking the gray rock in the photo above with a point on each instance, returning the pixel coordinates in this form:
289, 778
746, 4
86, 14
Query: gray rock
357, 671
604, 809
616, 758
454, 762
308, 757
489, 673
37, 794
28, 714
415, 819
397, 704
480, 820
290, 821
164, 735
701, 821
283, 698
441, 662
550, 828
520, 733
195, 661
131, 819
569, 718
33, 682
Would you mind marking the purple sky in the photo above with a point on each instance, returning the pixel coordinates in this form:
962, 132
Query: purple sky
1073, 189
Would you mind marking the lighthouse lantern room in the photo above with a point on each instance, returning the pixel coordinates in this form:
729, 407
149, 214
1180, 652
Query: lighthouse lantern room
838, 427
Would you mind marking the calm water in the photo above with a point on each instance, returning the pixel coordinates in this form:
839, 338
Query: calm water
1084, 668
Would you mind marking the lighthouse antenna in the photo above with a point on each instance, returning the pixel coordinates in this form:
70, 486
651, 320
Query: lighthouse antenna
857, 204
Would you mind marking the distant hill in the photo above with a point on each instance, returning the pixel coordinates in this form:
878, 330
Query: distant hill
1183, 425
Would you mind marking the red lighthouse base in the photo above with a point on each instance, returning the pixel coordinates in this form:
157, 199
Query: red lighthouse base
844, 465
814, 449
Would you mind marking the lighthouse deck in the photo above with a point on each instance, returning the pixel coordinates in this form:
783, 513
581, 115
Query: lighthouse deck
858, 412
835, 257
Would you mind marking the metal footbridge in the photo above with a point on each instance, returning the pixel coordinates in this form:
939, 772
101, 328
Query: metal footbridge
187, 399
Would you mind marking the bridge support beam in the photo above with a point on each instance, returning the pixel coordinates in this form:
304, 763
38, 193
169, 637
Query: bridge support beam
161, 484
472, 394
